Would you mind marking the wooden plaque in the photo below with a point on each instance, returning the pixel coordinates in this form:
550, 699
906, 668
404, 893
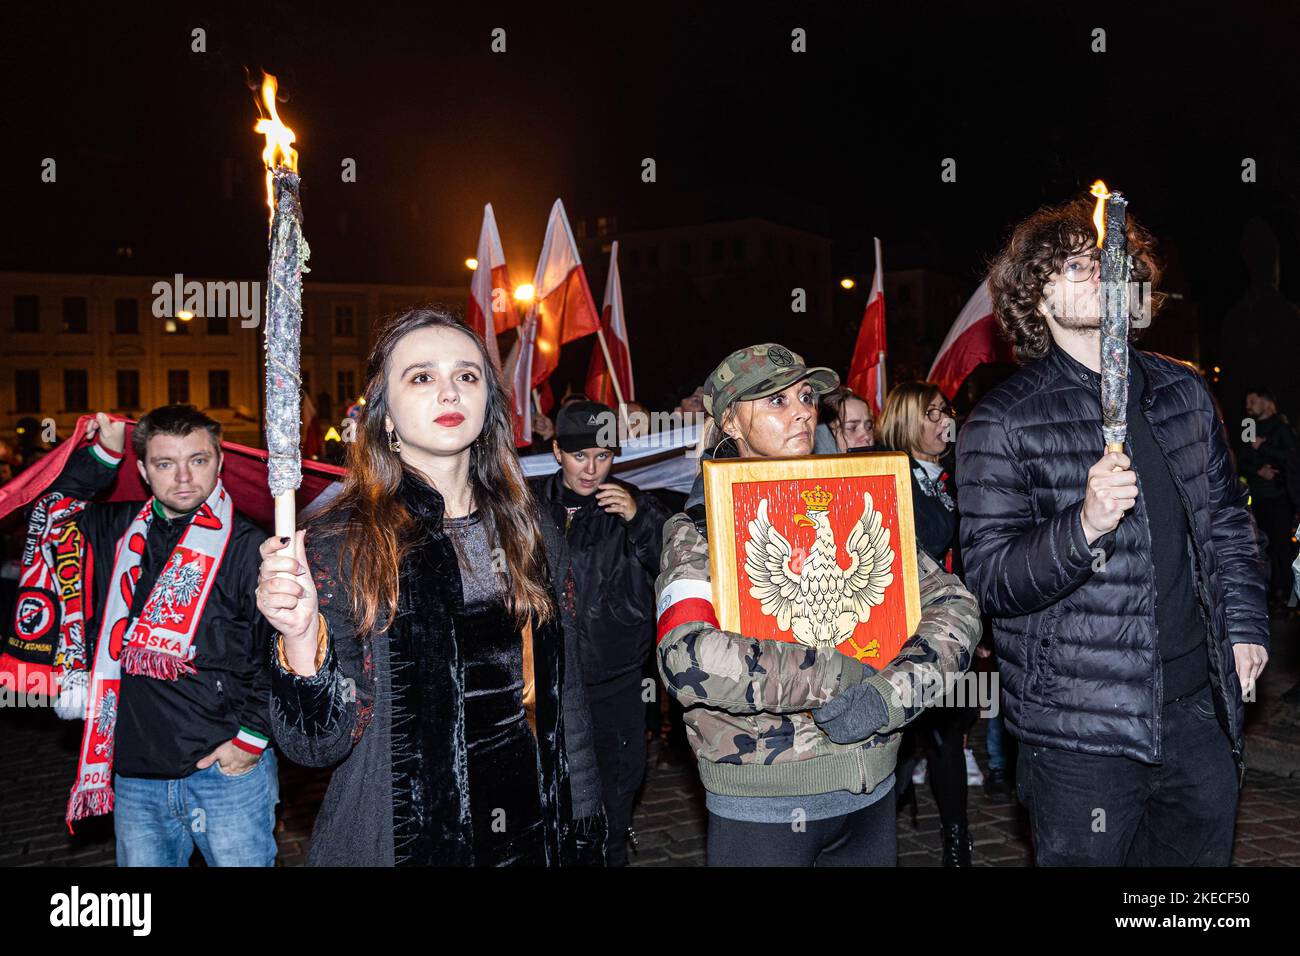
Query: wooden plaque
818, 550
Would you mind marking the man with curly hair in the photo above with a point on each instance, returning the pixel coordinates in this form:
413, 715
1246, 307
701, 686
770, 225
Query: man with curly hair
1126, 589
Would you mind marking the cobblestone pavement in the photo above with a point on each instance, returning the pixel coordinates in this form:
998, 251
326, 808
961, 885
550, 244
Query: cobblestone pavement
38, 756
670, 822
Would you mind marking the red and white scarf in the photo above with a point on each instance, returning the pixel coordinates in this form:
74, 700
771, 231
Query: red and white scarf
159, 643
45, 654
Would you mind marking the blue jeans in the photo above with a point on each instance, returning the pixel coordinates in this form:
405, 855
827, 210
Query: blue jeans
230, 819
996, 743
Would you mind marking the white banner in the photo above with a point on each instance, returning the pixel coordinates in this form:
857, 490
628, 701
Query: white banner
662, 460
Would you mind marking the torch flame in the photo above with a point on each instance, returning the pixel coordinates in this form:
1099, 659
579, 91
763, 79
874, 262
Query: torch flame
279, 149
1099, 213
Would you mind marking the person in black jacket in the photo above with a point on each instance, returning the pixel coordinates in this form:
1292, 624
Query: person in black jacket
918, 421
189, 735
1270, 463
612, 533
1126, 589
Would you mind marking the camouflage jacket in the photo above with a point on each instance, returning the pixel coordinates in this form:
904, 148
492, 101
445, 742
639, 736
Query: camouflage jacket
747, 702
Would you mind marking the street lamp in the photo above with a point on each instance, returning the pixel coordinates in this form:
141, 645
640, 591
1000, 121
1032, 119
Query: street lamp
471, 263
847, 283
524, 293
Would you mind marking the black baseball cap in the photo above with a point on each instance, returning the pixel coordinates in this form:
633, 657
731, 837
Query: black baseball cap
580, 425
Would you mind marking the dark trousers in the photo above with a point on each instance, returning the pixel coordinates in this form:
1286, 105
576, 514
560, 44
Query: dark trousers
938, 737
1277, 521
618, 732
865, 838
1086, 810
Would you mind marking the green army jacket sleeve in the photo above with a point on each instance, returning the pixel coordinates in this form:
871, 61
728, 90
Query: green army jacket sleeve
702, 664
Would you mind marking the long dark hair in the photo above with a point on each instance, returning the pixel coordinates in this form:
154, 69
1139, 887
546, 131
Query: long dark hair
379, 531
1039, 247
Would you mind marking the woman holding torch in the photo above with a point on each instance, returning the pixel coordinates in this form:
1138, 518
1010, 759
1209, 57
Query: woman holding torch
418, 640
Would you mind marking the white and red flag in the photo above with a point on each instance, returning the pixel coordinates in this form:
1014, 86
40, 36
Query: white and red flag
973, 340
867, 371
564, 308
489, 289
613, 329
519, 373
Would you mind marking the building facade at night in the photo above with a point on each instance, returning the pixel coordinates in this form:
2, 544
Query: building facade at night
84, 343
696, 292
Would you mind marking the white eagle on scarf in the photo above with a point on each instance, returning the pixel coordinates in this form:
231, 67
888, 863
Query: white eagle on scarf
105, 721
177, 587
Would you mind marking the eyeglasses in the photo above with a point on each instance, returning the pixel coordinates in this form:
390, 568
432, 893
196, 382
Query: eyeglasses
1081, 268
936, 414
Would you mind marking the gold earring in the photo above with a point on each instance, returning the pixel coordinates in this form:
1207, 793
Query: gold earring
394, 442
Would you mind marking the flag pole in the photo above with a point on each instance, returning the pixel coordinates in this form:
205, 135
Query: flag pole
880, 374
880, 356
613, 377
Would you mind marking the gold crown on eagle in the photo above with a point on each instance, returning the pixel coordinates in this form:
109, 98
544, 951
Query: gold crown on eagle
818, 499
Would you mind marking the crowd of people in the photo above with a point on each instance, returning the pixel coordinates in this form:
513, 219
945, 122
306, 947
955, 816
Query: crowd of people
481, 658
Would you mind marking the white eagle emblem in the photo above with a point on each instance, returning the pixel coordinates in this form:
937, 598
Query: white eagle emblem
177, 587
821, 604
105, 721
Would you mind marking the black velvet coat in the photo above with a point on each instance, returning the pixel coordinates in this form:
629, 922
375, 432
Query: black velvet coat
400, 795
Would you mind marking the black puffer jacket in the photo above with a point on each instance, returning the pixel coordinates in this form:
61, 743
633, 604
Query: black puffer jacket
1079, 663
614, 564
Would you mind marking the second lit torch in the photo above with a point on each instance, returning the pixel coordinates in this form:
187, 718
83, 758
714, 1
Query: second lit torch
1116, 270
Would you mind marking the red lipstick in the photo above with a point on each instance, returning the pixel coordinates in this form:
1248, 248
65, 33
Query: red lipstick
450, 419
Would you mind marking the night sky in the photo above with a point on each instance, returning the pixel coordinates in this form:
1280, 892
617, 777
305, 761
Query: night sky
155, 148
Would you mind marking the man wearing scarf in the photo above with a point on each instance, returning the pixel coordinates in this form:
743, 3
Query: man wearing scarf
175, 688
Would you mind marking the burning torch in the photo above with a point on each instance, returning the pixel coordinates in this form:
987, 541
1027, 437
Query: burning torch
289, 254
1116, 269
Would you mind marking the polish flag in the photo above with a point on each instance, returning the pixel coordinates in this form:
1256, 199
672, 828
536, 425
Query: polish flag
600, 388
867, 371
564, 307
973, 340
489, 289
519, 373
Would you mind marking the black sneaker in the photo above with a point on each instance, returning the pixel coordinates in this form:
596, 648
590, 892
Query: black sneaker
998, 787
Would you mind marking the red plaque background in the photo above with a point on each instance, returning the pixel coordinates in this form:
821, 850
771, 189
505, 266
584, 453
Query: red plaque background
888, 621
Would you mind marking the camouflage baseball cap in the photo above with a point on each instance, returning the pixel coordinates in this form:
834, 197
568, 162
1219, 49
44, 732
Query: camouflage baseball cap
759, 371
